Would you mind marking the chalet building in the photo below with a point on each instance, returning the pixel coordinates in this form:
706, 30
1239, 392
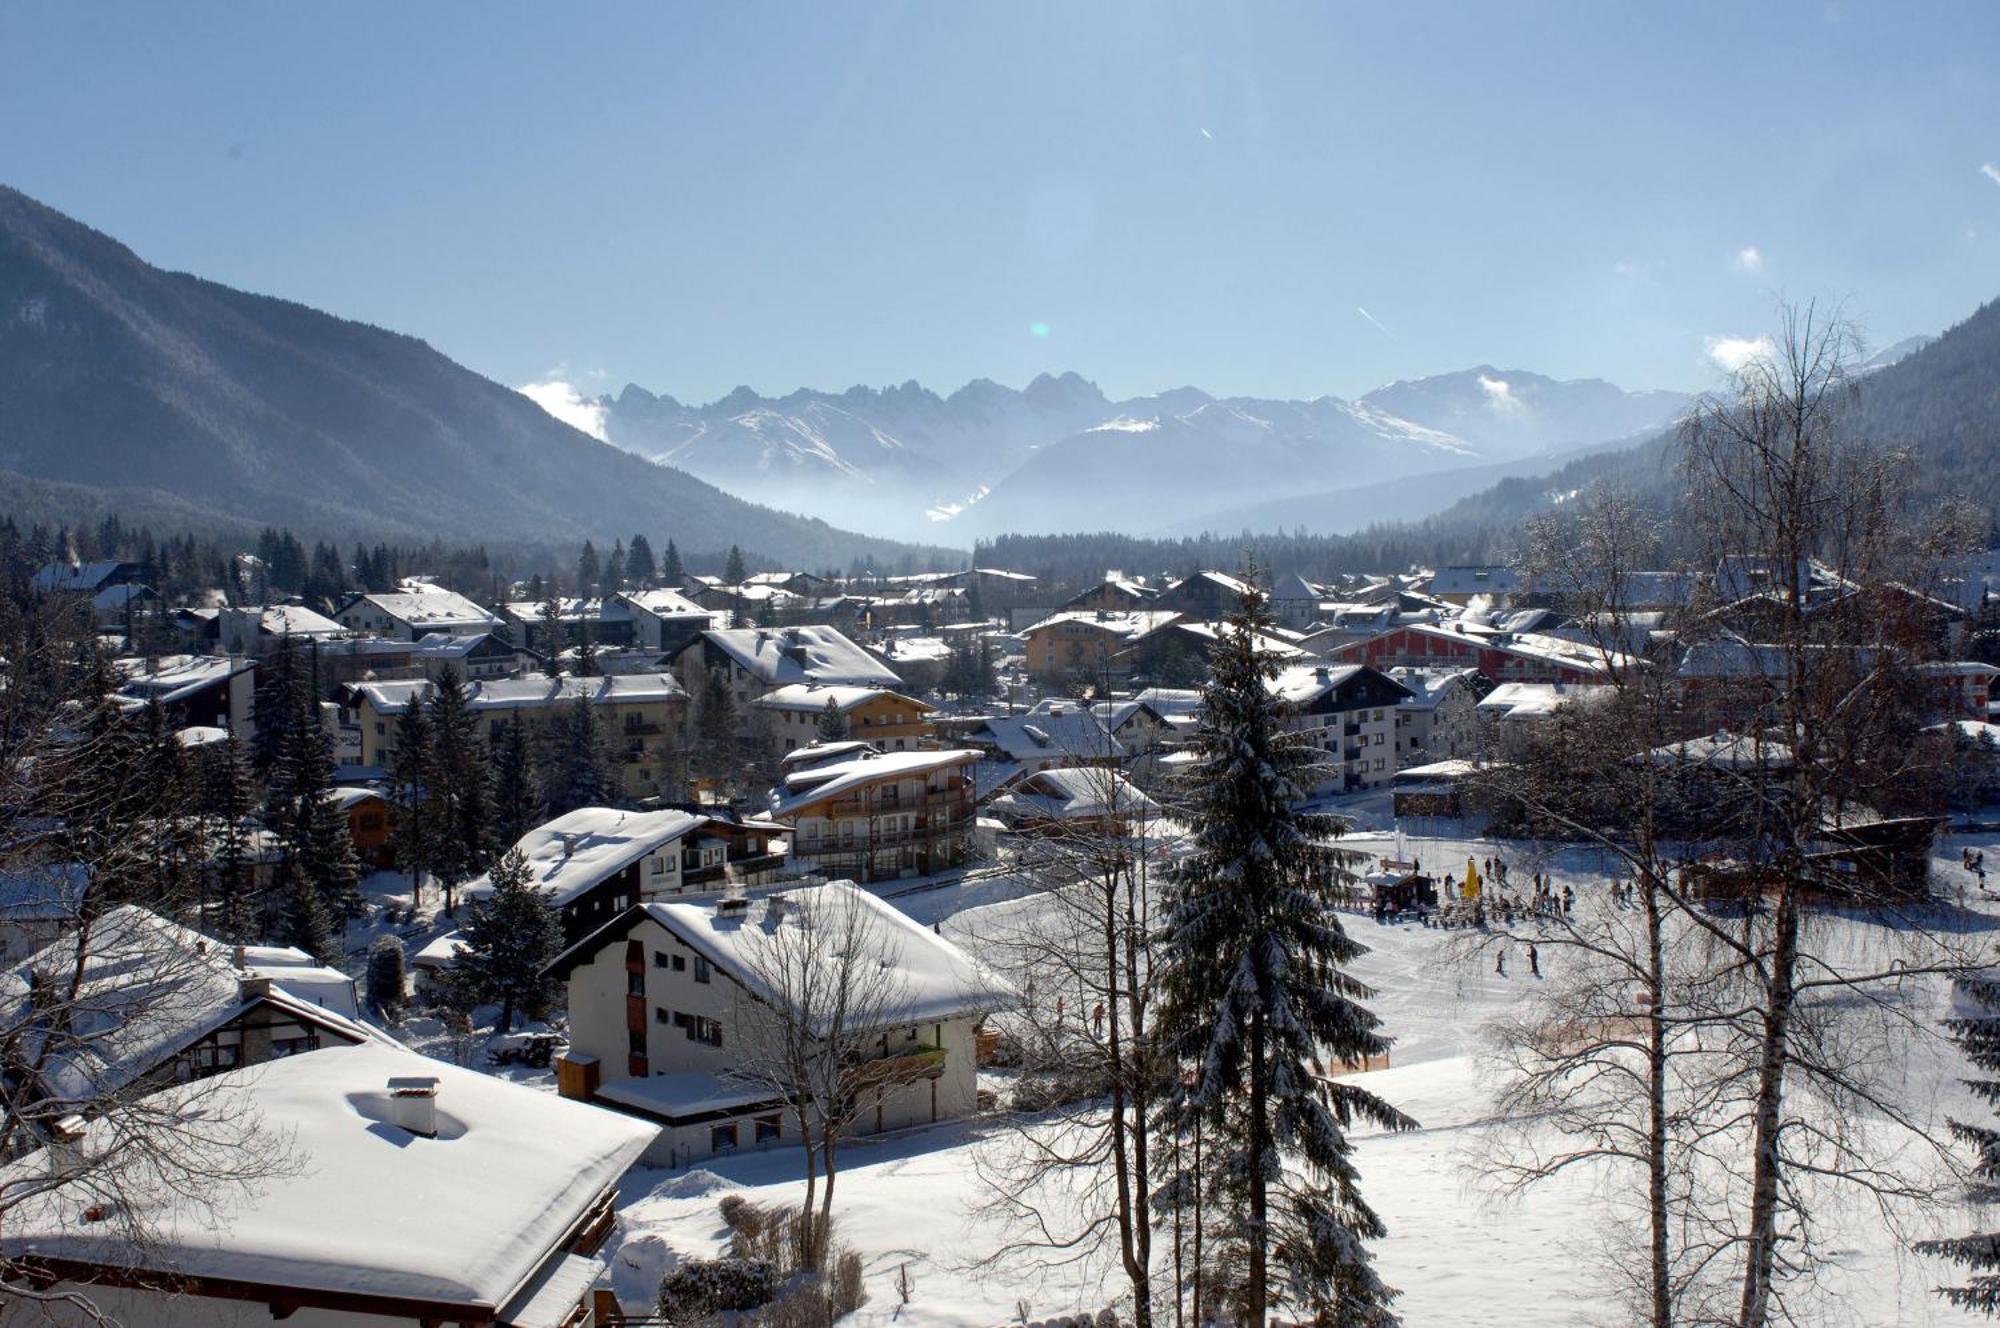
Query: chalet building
1088, 642
665, 1000
1462, 585
371, 823
1151, 719
890, 720
175, 1005
644, 717
1501, 656
414, 1191
595, 862
417, 609
1054, 733
1207, 596
754, 661
1065, 801
65, 578
1295, 601
1509, 713
121, 607
665, 620
1440, 719
608, 622
204, 691
1349, 713
1117, 593
877, 817
257, 630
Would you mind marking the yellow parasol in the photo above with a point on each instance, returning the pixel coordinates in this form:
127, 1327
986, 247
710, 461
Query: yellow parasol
1471, 879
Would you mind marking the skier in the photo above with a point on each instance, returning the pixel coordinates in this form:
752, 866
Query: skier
1569, 899
1500, 962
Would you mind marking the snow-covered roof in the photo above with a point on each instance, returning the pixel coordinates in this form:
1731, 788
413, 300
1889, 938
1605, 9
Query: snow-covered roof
1436, 770
76, 576
392, 698
1302, 684
819, 753
177, 677
1066, 794
932, 979
1474, 581
916, 649
1268, 643
43, 892
1051, 729
809, 696
1129, 625
469, 1218
425, 604
1721, 751
1537, 700
781, 655
289, 620
664, 603
818, 783
440, 951
687, 1093
200, 735
150, 988
581, 849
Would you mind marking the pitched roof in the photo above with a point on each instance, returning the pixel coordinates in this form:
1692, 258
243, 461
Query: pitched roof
933, 979
392, 698
1130, 625
1474, 581
1065, 794
1051, 729
808, 696
777, 656
468, 1218
835, 779
581, 849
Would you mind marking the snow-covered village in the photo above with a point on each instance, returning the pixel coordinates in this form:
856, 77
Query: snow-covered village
1356, 843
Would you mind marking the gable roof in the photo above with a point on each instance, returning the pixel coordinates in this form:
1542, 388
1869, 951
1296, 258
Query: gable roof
1302, 684
835, 779
580, 850
777, 656
469, 1218
1051, 729
810, 696
934, 979
1065, 794
392, 698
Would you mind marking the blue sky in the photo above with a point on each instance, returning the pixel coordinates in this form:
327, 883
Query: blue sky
1272, 199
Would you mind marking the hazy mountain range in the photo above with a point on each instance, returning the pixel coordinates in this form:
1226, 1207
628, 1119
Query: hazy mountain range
182, 402
1059, 455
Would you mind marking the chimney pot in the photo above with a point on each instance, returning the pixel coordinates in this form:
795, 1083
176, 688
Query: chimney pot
413, 1103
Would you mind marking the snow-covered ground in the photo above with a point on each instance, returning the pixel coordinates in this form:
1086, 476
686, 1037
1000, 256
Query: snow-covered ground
1459, 1255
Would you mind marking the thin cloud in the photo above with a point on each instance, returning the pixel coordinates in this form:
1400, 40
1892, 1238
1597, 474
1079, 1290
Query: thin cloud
1734, 354
1376, 321
1991, 172
1500, 395
1748, 259
562, 400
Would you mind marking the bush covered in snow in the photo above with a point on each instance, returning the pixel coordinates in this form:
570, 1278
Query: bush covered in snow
702, 1288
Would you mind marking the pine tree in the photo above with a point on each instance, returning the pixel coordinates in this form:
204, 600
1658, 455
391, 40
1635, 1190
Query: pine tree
717, 741
510, 936
588, 572
461, 793
414, 836
517, 793
302, 920
639, 566
733, 570
832, 724
1257, 1000
586, 652
1978, 1037
614, 568
329, 861
580, 772
671, 570
388, 975
229, 799
552, 633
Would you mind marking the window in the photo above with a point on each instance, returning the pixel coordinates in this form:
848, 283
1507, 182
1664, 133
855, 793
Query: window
680, 963
635, 983
635, 1041
663, 1015
659, 864
702, 969
661, 959
292, 1046
721, 1138
768, 1130
704, 1030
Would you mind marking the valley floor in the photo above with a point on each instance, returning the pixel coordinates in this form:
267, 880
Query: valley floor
1460, 1255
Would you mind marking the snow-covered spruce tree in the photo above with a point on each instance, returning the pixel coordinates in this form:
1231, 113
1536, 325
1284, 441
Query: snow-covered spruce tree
831, 725
414, 836
1256, 1004
517, 792
510, 935
1978, 1036
579, 771
461, 790
228, 799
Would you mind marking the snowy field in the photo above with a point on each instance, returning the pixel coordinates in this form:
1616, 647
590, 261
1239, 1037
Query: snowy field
1459, 1255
